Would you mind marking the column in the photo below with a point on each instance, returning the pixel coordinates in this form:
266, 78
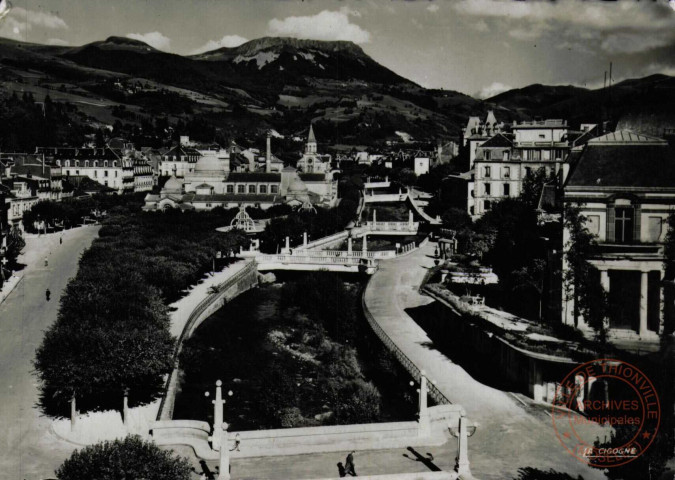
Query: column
349, 246
125, 407
304, 238
662, 303
424, 425
463, 448
604, 282
288, 244
73, 413
224, 463
217, 417
374, 218
644, 284
410, 219
365, 243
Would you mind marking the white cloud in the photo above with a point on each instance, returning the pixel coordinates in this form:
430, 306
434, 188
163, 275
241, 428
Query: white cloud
154, 39
433, 8
57, 41
615, 27
325, 25
18, 21
633, 42
493, 89
227, 41
39, 19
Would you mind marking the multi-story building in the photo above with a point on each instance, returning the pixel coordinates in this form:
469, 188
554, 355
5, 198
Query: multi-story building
36, 168
144, 178
624, 185
105, 165
179, 160
504, 161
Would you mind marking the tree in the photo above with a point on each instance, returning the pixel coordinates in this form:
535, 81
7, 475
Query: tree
582, 280
130, 458
406, 177
456, 219
533, 185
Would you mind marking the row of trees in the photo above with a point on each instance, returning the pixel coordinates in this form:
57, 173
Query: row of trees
112, 331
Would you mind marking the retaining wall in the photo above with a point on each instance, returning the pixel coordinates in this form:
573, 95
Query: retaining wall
240, 282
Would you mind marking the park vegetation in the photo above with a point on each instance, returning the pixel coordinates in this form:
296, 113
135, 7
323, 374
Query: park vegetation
129, 458
304, 356
112, 331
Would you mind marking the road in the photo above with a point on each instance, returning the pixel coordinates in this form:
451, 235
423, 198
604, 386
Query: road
29, 450
510, 435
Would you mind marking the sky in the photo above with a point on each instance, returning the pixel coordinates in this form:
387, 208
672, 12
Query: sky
478, 47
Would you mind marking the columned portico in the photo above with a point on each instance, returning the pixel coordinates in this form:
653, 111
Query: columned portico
636, 295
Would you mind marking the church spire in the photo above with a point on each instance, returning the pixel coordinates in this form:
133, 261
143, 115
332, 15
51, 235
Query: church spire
311, 141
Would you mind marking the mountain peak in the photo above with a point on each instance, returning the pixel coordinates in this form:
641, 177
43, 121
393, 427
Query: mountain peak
278, 43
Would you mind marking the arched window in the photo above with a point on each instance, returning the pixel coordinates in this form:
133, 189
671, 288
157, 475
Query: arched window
67, 163
77, 163
86, 163
114, 164
105, 164
95, 163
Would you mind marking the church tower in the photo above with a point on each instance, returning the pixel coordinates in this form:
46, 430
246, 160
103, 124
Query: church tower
311, 141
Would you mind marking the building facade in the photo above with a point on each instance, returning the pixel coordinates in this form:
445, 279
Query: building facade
312, 161
624, 186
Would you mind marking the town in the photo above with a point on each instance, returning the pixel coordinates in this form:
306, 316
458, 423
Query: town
262, 278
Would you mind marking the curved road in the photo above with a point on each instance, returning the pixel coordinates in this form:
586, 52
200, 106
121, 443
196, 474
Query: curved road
510, 435
29, 450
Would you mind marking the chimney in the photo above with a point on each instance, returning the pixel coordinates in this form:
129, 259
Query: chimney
268, 154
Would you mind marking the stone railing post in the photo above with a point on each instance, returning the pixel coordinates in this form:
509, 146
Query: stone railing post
349, 245
424, 421
125, 408
304, 239
217, 417
463, 448
224, 463
73, 413
374, 217
365, 243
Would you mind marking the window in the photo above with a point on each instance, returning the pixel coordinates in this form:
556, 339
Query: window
487, 205
274, 188
486, 154
251, 189
487, 172
67, 163
263, 189
105, 173
114, 164
507, 189
487, 189
95, 163
77, 172
116, 172
507, 172
95, 173
241, 188
77, 163
623, 225
105, 164
230, 189
505, 156
541, 135
528, 171
86, 163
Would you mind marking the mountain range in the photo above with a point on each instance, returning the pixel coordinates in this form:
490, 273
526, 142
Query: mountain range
284, 84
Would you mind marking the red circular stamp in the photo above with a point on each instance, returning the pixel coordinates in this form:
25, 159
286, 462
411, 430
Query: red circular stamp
601, 400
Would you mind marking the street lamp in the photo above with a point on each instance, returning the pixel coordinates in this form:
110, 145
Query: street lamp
462, 433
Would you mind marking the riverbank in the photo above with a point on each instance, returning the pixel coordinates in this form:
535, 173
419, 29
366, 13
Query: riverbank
294, 354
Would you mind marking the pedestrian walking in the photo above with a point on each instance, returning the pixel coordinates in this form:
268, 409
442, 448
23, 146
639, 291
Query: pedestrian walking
61, 240
48, 294
350, 468
46, 262
237, 442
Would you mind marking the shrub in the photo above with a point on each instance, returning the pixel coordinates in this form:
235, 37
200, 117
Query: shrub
130, 458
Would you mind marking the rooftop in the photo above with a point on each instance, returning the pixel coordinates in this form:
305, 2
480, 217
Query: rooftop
626, 137
551, 123
241, 177
629, 164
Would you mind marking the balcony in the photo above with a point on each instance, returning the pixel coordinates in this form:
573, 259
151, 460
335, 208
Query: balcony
647, 250
534, 144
